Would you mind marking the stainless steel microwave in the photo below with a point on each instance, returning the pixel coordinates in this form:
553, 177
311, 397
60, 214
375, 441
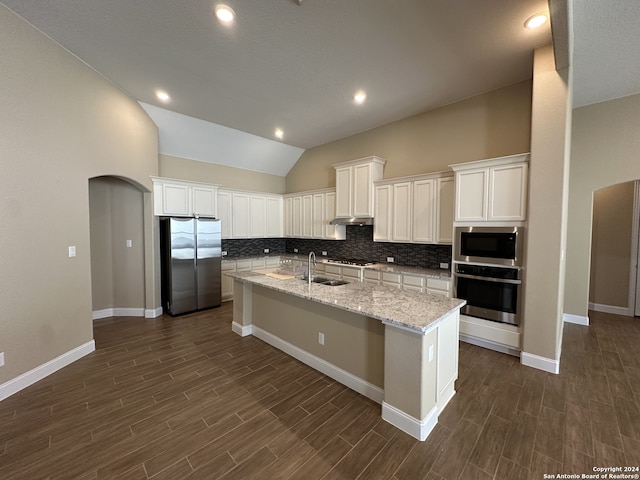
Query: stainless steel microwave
491, 245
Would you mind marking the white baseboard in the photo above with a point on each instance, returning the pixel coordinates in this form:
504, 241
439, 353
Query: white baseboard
419, 429
354, 383
118, 312
32, 376
599, 307
577, 319
242, 330
541, 363
152, 312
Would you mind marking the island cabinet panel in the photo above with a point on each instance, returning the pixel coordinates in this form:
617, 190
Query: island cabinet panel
352, 342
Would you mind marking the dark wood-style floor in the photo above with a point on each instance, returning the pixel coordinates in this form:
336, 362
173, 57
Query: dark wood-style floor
185, 398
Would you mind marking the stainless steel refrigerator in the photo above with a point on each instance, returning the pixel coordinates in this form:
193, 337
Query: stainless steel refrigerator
191, 255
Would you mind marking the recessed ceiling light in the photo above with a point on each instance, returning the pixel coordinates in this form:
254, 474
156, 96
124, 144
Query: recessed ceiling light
162, 96
360, 97
279, 133
225, 14
535, 21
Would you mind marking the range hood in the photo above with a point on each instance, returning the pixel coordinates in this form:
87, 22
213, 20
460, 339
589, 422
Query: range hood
352, 221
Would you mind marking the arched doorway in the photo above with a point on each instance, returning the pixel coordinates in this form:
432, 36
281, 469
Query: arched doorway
118, 254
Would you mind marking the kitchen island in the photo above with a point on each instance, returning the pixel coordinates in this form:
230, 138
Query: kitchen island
399, 348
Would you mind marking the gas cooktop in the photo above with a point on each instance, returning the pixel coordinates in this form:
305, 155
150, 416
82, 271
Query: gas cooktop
351, 261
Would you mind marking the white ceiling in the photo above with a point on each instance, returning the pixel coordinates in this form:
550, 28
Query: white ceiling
296, 67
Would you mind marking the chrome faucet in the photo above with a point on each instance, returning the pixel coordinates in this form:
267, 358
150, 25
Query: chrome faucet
312, 255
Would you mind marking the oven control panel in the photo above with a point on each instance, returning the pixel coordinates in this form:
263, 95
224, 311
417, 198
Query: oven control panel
487, 271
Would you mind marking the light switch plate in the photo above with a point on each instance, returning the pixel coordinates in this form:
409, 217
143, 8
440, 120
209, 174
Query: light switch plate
321, 338
1, 359
72, 251
129, 243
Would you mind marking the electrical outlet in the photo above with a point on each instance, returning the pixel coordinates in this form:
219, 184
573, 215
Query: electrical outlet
390, 259
295, 250
72, 251
266, 250
444, 265
324, 254
1, 359
129, 244
430, 353
224, 253
321, 338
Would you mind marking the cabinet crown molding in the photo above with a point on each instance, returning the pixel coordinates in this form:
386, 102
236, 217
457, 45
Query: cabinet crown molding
491, 162
358, 161
180, 181
415, 178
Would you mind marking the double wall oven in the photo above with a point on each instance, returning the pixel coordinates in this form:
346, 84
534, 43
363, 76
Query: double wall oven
488, 271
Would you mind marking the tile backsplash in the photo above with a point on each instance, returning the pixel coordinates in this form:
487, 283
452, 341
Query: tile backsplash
358, 244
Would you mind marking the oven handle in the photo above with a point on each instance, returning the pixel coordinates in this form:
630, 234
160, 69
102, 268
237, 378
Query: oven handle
489, 279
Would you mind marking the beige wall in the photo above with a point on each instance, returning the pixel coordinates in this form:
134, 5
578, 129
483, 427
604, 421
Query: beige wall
61, 124
117, 271
229, 177
611, 245
491, 125
605, 151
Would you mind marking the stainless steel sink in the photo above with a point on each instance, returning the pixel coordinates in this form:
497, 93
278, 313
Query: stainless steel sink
324, 280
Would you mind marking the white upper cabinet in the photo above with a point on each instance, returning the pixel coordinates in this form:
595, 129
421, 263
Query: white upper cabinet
382, 202
417, 209
178, 198
224, 212
310, 215
354, 186
250, 214
424, 211
493, 190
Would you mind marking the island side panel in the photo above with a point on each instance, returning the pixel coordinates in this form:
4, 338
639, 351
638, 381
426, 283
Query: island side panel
448, 355
353, 343
242, 308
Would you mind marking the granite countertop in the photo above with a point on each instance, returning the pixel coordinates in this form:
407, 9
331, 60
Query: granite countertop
415, 311
384, 267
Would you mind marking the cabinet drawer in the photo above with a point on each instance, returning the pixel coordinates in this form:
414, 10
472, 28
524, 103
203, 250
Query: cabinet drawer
272, 262
354, 273
389, 277
243, 265
332, 270
228, 266
392, 284
371, 274
372, 281
413, 281
439, 284
412, 287
257, 264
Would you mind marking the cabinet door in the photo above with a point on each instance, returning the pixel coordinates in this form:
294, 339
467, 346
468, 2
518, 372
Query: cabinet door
288, 217
382, 212
508, 192
205, 201
401, 208
471, 195
274, 217
444, 210
258, 216
176, 199
240, 215
317, 224
224, 213
424, 211
307, 215
332, 232
362, 194
343, 192
296, 209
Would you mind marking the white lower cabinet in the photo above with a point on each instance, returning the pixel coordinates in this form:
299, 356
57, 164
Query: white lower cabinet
439, 287
392, 279
227, 282
371, 276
